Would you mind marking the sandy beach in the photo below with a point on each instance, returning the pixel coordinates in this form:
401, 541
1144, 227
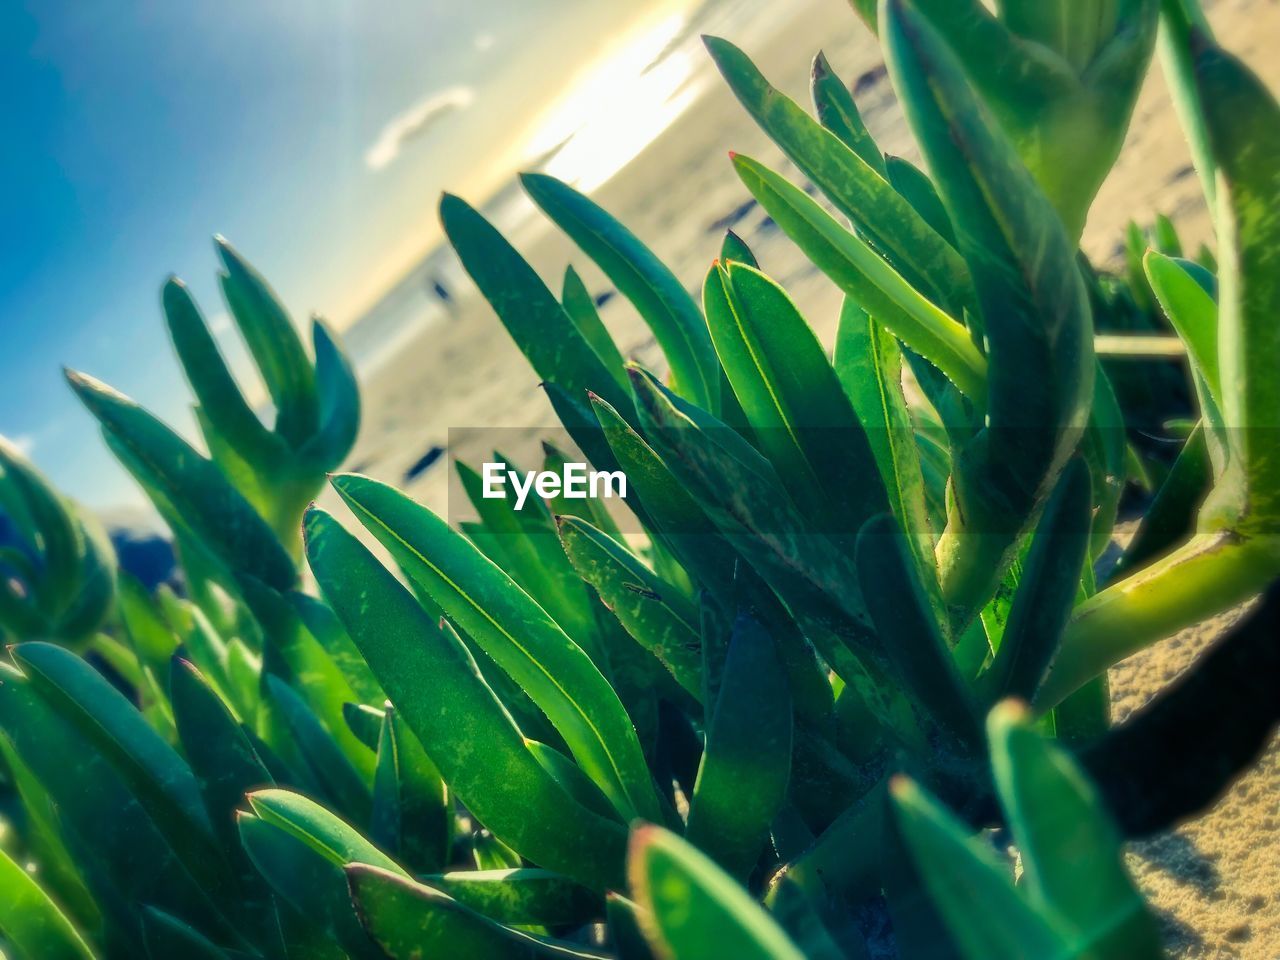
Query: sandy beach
1216, 882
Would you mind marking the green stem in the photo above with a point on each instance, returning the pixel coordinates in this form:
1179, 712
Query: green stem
1210, 573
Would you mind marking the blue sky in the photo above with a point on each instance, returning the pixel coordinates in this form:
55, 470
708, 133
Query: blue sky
136, 130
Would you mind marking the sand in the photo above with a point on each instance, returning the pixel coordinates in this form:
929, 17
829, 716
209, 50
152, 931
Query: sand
1215, 881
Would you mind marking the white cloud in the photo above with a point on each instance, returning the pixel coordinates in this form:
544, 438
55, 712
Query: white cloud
220, 323
25, 443
413, 123
483, 41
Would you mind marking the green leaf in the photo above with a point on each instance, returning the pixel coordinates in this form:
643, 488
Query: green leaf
409, 920
526, 541
868, 363
51, 530
742, 781
914, 184
740, 492
1035, 310
581, 308
856, 268
969, 886
152, 639
224, 760
1192, 311
691, 909
654, 612
838, 112
524, 895
274, 343
341, 782
1179, 19
1172, 514
301, 849
128, 864
1244, 134
213, 383
1072, 861
1047, 589
540, 326
734, 249
908, 628
792, 398
437, 688
161, 780
31, 923
323, 624
512, 629
412, 809
879, 213
188, 490
657, 294
365, 722
339, 400
673, 515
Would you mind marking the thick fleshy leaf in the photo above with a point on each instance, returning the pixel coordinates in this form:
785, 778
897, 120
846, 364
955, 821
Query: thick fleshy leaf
339, 399
1172, 514
908, 628
838, 112
523, 895
1036, 317
328, 631
877, 211
224, 760
654, 612
342, 784
301, 849
868, 362
672, 513
691, 909
274, 343
412, 809
1072, 861
31, 922
526, 541
188, 490
642, 278
581, 308
541, 328
161, 780
969, 886
1244, 134
211, 380
512, 629
858, 270
914, 184
1047, 589
792, 398
435, 685
51, 529
131, 863
409, 920
1180, 286
742, 781
1178, 20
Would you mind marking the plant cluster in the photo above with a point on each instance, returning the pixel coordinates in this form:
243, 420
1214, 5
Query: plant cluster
845, 697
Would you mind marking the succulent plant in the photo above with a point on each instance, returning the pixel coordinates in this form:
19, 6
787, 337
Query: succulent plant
57, 567
842, 674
